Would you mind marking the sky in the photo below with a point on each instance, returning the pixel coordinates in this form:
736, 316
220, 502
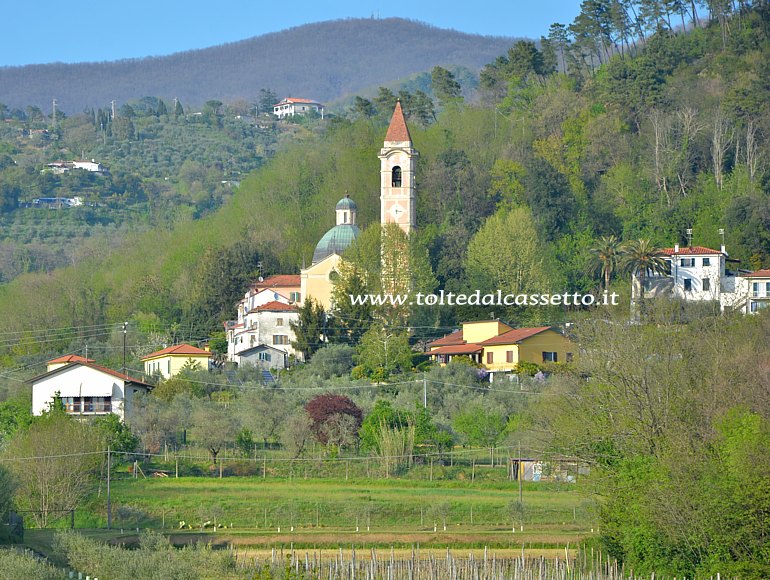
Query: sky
50, 31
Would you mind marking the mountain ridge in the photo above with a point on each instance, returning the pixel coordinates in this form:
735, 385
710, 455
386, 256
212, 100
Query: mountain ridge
295, 61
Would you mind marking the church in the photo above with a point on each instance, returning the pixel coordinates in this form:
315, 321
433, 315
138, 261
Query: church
398, 159
262, 333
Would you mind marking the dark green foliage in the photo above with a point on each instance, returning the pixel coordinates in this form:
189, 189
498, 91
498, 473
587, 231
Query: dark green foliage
309, 329
117, 435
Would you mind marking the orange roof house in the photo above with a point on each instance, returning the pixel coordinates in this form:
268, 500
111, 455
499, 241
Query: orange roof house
172, 359
498, 348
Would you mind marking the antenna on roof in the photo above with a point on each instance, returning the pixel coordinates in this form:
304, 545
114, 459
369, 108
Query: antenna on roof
722, 235
688, 231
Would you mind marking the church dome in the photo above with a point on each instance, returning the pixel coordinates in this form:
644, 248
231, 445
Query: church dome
336, 240
346, 204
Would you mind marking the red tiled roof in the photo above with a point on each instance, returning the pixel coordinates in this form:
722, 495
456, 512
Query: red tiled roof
457, 349
275, 306
759, 274
298, 100
68, 358
692, 251
279, 281
178, 349
515, 335
398, 131
454, 338
100, 368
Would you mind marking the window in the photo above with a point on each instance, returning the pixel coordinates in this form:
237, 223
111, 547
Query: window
344, 217
687, 262
490, 358
755, 289
569, 357
280, 339
294, 297
279, 322
767, 288
265, 356
687, 285
169, 366
706, 284
509, 356
707, 261
550, 357
396, 182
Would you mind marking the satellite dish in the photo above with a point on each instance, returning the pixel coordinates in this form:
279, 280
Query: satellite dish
275, 295
261, 279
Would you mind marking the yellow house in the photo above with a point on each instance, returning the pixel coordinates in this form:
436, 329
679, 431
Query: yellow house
172, 359
498, 348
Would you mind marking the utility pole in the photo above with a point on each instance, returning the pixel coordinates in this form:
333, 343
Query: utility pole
109, 505
125, 331
424, 391
54, 113
519, 476
113, 109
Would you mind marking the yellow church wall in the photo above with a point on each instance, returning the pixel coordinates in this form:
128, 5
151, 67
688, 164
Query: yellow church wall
315, 282
482, 330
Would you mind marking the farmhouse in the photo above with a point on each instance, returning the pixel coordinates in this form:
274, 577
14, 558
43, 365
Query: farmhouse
268, 324
499, 348
86, 389
170, 360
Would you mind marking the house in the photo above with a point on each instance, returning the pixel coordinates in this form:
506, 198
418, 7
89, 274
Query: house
284, 288
701, 274
291, 106
268, 324
499, 348
86, 389
757, 290
170, 360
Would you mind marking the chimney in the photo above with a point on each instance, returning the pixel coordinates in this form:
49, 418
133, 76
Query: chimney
676, 248
722, 249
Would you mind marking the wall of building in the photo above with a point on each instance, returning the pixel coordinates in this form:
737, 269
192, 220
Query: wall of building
168, 366
79, 381
315, 282
531, 350
475, 332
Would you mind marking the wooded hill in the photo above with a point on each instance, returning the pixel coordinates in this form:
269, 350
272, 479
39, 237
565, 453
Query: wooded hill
548, 163
323, 61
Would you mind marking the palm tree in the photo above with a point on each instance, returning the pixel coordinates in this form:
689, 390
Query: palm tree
641, 257
606, 253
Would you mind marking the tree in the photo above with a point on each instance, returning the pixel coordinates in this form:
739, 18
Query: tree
483, 427
117, 435
383, 352
213, 426
607, 253
267, 100
520, 264
326, 408
640, 258
54, 463
363, 108
309, 328
297, 433
445, 87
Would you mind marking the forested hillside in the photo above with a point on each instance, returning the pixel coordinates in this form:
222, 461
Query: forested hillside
324, 61
642, 146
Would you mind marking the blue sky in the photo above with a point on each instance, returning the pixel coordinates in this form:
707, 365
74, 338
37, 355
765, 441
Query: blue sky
44, 31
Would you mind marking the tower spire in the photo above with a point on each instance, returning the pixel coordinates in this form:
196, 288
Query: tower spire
398, 130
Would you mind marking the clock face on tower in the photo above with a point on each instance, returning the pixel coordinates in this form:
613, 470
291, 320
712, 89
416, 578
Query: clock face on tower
396, 211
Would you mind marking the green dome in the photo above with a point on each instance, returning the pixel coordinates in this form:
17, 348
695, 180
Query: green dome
336, 240
346, 203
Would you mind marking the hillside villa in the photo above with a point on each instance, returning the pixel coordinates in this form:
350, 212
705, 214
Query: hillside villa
291, 106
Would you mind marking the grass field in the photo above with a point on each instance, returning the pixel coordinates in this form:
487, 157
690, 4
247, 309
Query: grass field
323, 512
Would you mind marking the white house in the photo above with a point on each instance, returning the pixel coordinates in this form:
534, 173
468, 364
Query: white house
86, 389
267, 324
291, 106
699, 274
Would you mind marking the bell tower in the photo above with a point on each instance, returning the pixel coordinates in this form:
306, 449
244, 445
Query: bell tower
397, 164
